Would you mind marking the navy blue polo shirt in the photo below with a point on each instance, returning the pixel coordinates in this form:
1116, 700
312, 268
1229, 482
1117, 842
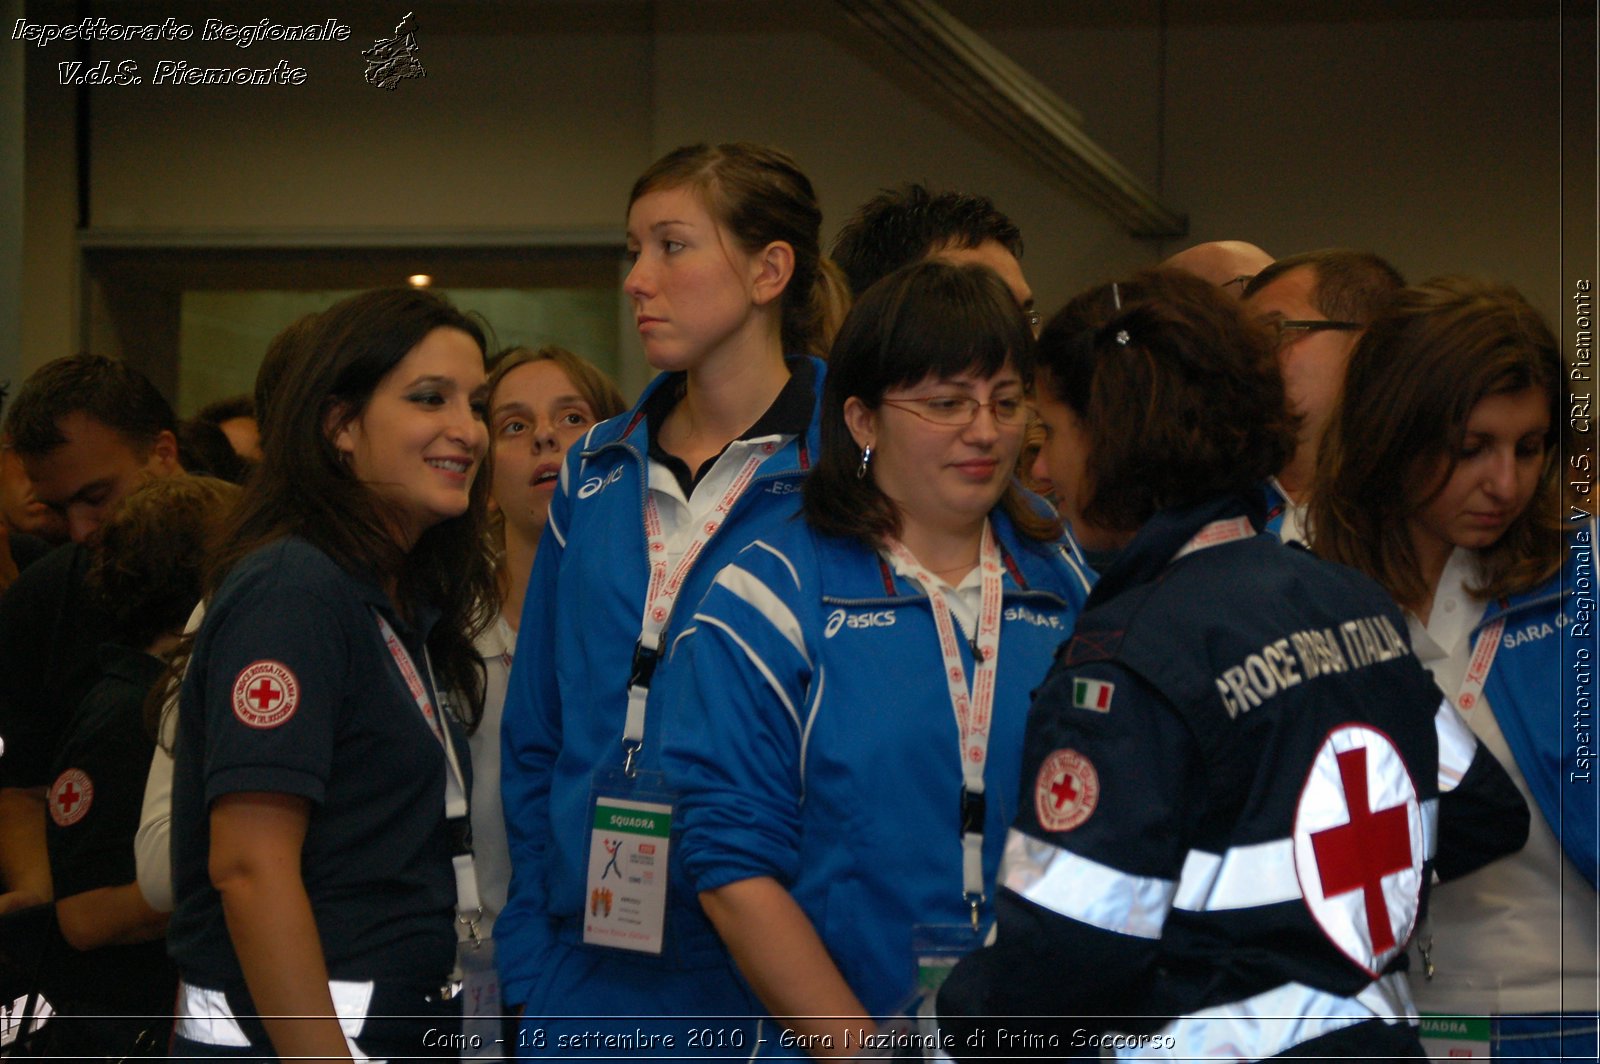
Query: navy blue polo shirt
50, 629
94, 799
292, 690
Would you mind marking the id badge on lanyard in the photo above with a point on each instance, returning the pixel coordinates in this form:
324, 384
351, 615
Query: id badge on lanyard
630, 847
469, 910
1448, 1037
1468, 697
480, 1003
630, 826
974, 709
937, 948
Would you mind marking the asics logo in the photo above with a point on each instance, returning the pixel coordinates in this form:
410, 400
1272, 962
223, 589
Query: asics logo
595, 485
870, 619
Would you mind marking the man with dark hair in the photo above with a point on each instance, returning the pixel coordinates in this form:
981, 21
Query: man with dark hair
89, 430
1318, 303
903, 225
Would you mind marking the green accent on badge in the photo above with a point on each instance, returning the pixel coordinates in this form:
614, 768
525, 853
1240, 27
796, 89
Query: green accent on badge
931, 973
632, 821
1470, 1028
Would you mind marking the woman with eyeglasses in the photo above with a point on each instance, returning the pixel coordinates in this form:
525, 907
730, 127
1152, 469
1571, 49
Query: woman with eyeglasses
1439, 478
852, 690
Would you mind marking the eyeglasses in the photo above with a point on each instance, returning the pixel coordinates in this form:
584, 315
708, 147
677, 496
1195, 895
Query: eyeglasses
955, 410
1287, 332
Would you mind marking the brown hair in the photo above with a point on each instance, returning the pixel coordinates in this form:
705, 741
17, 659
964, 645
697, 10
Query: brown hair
759, 195
1351, 285
833, 302
1180, 395
106, 390
1412, 383
146, 566
327, 367
594, 386
927, 319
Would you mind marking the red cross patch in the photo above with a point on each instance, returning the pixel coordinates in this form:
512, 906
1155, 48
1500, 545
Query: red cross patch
70, 797
1066, 792
265, 695
1358, 846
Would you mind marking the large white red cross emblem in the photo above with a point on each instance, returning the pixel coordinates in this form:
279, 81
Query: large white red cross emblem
1358, 845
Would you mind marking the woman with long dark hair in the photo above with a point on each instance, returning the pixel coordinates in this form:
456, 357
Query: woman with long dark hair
319, 797
1440, 478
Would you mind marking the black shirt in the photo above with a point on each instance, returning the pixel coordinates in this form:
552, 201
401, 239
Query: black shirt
292, 690
50, 629
789, 415
94, 803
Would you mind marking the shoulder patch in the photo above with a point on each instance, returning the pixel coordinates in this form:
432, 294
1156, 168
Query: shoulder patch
1066, 792
265, 694
70, 797
1090, 646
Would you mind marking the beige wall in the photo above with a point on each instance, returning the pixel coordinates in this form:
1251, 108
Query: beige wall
505, 131
1434, 142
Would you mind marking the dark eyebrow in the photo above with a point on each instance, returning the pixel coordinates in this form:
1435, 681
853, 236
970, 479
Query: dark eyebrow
88, 489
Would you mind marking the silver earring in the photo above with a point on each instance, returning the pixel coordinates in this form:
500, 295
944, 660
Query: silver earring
866, 460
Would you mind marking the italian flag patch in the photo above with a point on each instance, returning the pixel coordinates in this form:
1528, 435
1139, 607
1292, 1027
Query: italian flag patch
1092, 694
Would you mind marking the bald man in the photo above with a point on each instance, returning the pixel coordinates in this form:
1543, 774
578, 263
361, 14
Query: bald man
1228, 264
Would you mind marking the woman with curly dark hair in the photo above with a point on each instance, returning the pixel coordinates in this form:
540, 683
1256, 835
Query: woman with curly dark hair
1230, 781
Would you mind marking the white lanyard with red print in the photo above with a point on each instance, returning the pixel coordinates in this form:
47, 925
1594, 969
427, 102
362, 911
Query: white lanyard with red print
974, 712
1483, 652
662, 595
469, 910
